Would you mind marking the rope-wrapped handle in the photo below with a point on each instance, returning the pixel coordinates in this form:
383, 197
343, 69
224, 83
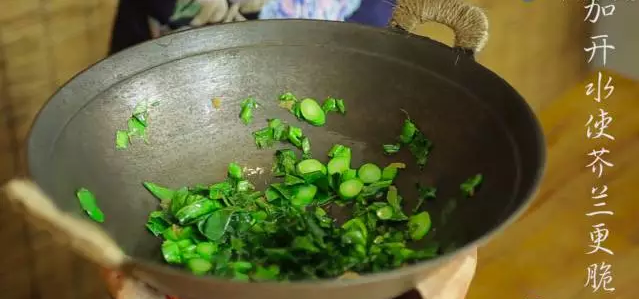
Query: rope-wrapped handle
83, 236
469, 22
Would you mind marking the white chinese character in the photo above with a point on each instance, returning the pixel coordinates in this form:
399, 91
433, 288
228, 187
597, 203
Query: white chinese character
604, 46
590, 88
596, 9
599, 276
597, 237
600, 126
598, 163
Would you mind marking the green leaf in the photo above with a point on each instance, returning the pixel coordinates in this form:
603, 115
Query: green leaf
304, 243
329, 105
178, 200
157, 223
192, 212
136, 129
162, 193
424, 193
341, 107
215, 226
374, 188
265, 273
285, 161
246, 112
220, 190
278, 128
288, 100
284, 191
469, 187
408, 131
290, 180
89, 204
420, 148
264, 138
394, 200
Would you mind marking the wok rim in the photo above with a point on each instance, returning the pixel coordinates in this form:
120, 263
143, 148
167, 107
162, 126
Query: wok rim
411, 270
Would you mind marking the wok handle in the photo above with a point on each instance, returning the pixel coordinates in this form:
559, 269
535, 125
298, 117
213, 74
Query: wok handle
469, 22
84, 237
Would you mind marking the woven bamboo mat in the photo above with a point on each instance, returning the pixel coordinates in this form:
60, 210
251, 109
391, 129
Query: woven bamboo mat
45, 42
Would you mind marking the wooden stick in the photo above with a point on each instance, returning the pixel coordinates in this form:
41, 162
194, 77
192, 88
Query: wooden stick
83, 236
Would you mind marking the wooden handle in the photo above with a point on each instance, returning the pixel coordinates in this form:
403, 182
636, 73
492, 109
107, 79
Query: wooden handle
469, 22
452, 280
84, 237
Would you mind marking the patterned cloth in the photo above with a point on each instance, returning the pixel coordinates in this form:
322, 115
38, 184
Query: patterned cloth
333, 10
140, 20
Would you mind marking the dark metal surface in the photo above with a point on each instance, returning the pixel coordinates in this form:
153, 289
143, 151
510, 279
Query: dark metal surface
477, 122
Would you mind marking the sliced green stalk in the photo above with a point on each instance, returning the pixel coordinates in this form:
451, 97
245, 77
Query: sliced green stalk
309, 166
206, 249
339, 150
369, 173
385, 212
390, 171
306, 147
304, 195
312, 112
349, 174
390, 149
235, 171
338, 165
419, 225
199, 266
171, 252
121, 139
351, 188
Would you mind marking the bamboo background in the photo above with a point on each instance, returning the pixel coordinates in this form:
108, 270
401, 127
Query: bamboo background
536, 46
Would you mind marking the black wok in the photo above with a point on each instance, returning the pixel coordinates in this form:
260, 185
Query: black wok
477, 122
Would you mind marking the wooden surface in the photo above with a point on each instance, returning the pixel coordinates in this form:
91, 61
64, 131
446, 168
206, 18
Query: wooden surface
535, 45
543, 254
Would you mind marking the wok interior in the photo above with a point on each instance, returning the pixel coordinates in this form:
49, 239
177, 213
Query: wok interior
191, 142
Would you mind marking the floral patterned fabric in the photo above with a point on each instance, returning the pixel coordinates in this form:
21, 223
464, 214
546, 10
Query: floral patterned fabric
140, 20
332, 10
